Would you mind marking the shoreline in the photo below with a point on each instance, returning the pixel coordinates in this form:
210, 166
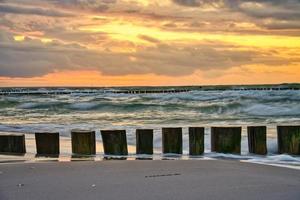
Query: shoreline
279, 160
177, 179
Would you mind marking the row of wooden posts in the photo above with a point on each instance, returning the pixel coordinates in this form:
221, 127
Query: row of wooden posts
223, 140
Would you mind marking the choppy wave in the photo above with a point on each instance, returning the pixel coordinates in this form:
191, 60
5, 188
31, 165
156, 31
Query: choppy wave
212, 104
271, 110
242, 103
101, 110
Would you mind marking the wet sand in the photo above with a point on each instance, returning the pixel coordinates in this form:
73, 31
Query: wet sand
173, 179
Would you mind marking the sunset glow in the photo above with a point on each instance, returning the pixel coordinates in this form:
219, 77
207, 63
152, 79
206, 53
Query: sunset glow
131, 42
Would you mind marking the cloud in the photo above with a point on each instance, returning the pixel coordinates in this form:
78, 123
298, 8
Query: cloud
149, 39
113, 51
268, 15
281, 10
32, 58
17, 9
263, 16
92, 5
258, 9
196, 3
282, 25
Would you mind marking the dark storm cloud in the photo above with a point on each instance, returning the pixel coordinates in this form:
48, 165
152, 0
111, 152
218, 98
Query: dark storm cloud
278, 9
281, 10
6, 8
93, 5
269, 14
283, 26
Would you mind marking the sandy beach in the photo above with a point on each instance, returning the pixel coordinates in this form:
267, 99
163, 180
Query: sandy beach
203, 179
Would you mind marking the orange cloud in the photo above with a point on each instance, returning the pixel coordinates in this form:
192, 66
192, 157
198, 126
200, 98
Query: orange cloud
247, 75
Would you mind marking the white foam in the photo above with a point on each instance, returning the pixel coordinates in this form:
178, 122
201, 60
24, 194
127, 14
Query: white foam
268, 110
282, 160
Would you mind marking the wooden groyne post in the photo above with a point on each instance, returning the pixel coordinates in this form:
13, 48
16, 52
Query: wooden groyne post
83, 142
47, 144
226, 139
288, 139
144, 141
172, 140
257, 139
196, 140
114, 142
11, 143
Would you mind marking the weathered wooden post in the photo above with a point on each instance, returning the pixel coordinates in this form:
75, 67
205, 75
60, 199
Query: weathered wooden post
114, 142
196, 140
288, 139
11, 143
47, 144
172, 140
83, 142
226, 139
257, 139
144, 141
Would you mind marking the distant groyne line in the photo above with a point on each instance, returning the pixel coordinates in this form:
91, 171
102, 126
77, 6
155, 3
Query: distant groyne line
30, 92
129, 91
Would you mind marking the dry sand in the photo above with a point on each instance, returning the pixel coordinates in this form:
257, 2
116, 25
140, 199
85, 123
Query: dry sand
174, 179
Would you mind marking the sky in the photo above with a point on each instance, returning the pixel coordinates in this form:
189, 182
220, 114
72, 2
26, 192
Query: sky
155, 42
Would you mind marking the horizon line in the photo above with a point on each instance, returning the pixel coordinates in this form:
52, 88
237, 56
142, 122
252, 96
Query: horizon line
124, 86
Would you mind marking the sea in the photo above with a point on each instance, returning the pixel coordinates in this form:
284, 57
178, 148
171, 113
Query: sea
30, 110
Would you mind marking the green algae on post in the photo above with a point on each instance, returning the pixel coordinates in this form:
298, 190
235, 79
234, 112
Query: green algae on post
12, 143
144, 141
172, 140
47, 144
114, 142
83, 142
226, 139
257, 139
196, 140
288, 139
